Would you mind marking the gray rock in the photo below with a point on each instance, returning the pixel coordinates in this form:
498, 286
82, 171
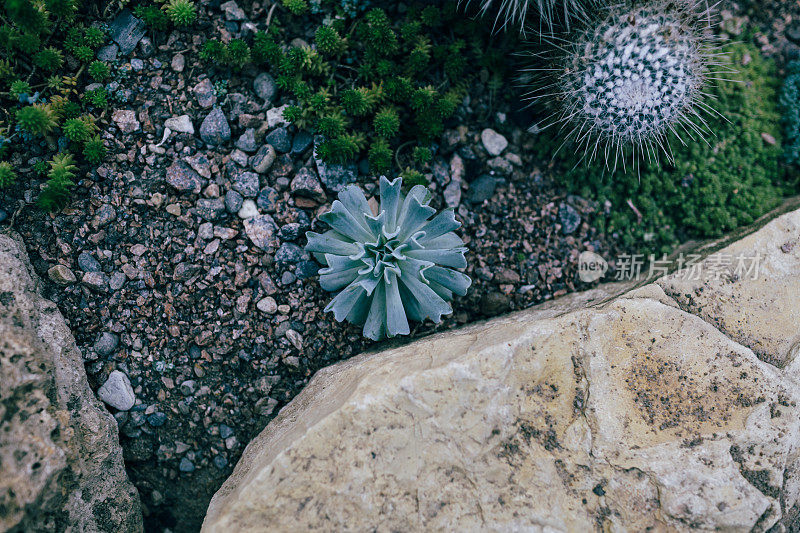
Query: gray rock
108, 52
188, 387
117, 391
302, 140
184, 178
261, 231
570, 219
232, 11
146, 49
305, 183
105, 215
289, 232
267, 200
215, 129
178, 62
204, 93
88, 263
97, 281
265, 87
116, 281
182, 124
225, 431
125, 119
280, 139
210, 209
494, 142
306, 269
137, 64
106, 343
157, 419
263, 159
61, 275
186, 465
267, 305
247, 141
248, 210
275, 117
287, 278
335, 177
233, 201
200, 164
482, 189
452, 194
126, 30
290, 253
62, 464
239, 157
247, 184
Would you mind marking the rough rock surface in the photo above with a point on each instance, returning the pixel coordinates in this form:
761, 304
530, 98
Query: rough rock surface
652, 409
60, 461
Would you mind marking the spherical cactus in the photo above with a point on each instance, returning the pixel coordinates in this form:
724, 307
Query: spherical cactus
515, 12
392, 267
631, 81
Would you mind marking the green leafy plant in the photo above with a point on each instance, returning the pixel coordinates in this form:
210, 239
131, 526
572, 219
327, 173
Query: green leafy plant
99, 71
393, 267
49, 59
7, 174
44, 96
387, 83
36, 120
790, 111
297, 7
94, 150
181, 12
153, 17
59, 182
79, 130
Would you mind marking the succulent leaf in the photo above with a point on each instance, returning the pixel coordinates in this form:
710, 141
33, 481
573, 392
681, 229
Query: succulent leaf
393, 266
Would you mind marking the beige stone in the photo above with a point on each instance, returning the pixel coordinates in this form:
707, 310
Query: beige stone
590, 413
61, 466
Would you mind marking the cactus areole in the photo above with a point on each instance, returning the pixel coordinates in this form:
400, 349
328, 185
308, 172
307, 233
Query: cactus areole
391, 267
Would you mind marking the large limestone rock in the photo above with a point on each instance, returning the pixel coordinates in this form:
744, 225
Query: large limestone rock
672, 407
61, 465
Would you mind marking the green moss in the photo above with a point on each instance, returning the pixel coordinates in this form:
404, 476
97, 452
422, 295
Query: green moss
711, 188
790, 110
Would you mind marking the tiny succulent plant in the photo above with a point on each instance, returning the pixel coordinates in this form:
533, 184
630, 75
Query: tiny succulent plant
630, 82
391, 267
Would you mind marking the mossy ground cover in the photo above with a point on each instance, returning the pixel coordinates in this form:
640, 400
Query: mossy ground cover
711, 187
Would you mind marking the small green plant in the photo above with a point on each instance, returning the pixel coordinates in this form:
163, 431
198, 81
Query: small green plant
7, 174
297, 7
385, 84
182, 13
393, 267
329, 42
790, 111
94, 150
49, 59
97, 97
36, 120
18, 88
59, 182
78, 130
99, 71
153, 17
44, 97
